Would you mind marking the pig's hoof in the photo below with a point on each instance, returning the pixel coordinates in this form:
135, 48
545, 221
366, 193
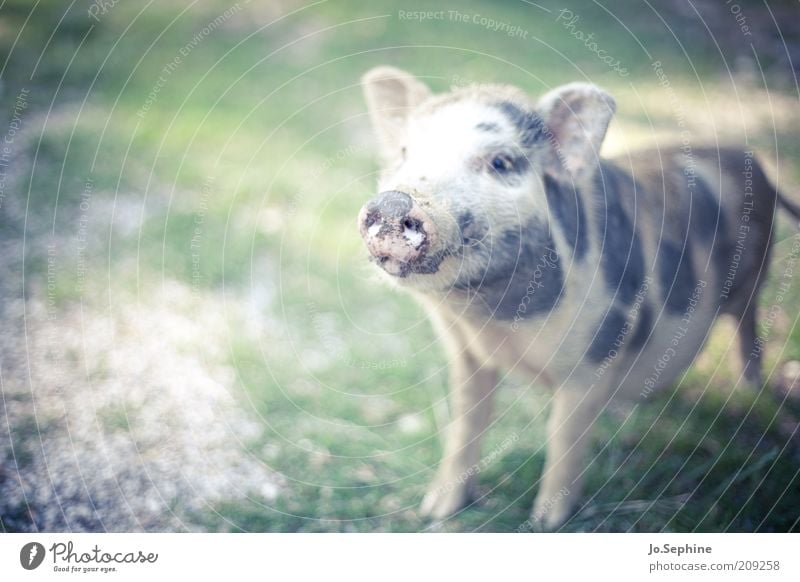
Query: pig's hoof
442, 501
548, 522
549, 517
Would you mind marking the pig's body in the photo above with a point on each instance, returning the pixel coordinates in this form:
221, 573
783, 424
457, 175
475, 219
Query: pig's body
666, 304
600, 279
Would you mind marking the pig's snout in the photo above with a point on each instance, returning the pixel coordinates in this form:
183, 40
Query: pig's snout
397, 232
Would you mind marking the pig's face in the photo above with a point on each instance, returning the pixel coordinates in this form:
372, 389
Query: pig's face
464, 180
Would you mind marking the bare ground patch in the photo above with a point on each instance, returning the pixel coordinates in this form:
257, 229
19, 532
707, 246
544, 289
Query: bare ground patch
119, 413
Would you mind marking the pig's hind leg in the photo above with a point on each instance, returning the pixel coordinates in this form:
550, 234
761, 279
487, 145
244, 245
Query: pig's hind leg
751, 347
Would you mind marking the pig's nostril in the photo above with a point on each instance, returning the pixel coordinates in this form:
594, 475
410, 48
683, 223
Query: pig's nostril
372, 218
411, 224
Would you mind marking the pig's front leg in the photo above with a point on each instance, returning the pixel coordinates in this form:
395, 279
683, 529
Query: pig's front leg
471, 392
569, 429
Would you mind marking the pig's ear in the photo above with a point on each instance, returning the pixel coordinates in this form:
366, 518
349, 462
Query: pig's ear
391, 94
577, 117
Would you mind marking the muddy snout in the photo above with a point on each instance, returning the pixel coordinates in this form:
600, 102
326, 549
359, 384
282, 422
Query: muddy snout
397, 232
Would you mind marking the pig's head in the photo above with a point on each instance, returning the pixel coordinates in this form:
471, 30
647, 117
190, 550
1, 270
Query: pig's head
469, 175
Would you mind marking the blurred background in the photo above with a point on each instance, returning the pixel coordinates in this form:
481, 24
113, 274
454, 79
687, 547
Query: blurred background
191, 338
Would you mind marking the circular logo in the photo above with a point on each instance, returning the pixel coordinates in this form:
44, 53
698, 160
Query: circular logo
31, 555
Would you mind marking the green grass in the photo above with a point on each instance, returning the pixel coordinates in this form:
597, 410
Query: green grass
350, 379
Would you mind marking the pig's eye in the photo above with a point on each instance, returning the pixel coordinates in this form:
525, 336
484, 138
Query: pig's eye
502, 164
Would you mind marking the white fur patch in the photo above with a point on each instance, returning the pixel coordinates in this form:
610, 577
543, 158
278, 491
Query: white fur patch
414, 237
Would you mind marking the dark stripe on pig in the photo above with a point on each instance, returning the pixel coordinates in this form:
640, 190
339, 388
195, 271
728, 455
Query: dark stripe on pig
707, 222
490, 127
644, 326
523, 276
622, 261
610, 330
567, 207
473, 230
528, 123
676, 272
709, 225
465, 222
